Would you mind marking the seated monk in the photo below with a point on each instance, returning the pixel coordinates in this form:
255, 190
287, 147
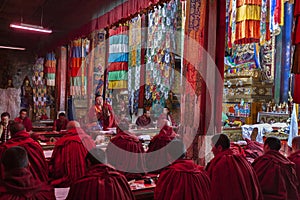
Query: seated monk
37, 162
158, 158
60, 123
102, 113
276, 173
232, 177
144, 121
101, 181
253, 150
67, 163
125, 153
24, 119
18, 182
237, 149
166, 115
295, 158
182, 179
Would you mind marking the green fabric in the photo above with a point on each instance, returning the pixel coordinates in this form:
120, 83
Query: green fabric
51, 76
76, 81
118, 39
118, 76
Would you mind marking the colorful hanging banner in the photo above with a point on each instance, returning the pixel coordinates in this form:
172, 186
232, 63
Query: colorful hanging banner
50, 69
118, 58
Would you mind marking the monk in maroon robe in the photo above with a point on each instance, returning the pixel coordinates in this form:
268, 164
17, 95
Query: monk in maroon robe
67, 163
232, 177
144, 121
253, 150
24, 120
19, 137
295, 158
276, 173
156, 157
102, 113
166, 115
60, 123
182, 179
18, 183
237, 149
101, 181
125, 153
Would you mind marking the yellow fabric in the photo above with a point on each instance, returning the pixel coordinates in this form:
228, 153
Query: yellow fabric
248, 2
281, 22
248, 12
117, 85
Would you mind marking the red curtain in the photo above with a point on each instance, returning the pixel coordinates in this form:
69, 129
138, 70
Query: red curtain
122, 11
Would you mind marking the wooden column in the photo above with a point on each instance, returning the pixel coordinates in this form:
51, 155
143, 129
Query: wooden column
90, 71
61, 77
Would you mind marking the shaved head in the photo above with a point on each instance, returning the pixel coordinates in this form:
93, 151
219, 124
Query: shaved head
73, 124
15, 127
15, 158
296, 143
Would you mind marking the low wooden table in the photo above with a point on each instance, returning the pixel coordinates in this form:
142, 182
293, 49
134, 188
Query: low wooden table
143, 191
45, 138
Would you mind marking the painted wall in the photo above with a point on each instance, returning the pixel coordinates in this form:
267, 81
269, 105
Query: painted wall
15, 64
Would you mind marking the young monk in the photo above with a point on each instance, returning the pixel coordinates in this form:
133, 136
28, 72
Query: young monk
275, 172
232, 177
101, 181
67, 163
18, 182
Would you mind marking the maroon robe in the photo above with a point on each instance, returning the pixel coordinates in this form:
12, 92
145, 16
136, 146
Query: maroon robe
277, 176
38, 166
143, 121
232, 178
125, 153
20, 185
26, 122
295, 158
237, 149
253, 150
60, 125
183, 180
162, 117
158, 159
101, 182
67, 163
100, 113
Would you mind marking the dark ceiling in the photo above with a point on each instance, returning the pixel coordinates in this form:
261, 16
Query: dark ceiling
62, 16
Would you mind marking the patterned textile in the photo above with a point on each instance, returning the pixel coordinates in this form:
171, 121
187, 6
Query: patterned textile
195, 29
118, 57
99, 61
78, 66
162, 26
266, 60
264, 22
193, 93
39, 89
276, 14
134, 68
10, 101
50, 69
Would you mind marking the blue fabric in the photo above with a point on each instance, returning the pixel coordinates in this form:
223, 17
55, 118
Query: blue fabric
286, 52
71, 109
272, 20
118, 57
